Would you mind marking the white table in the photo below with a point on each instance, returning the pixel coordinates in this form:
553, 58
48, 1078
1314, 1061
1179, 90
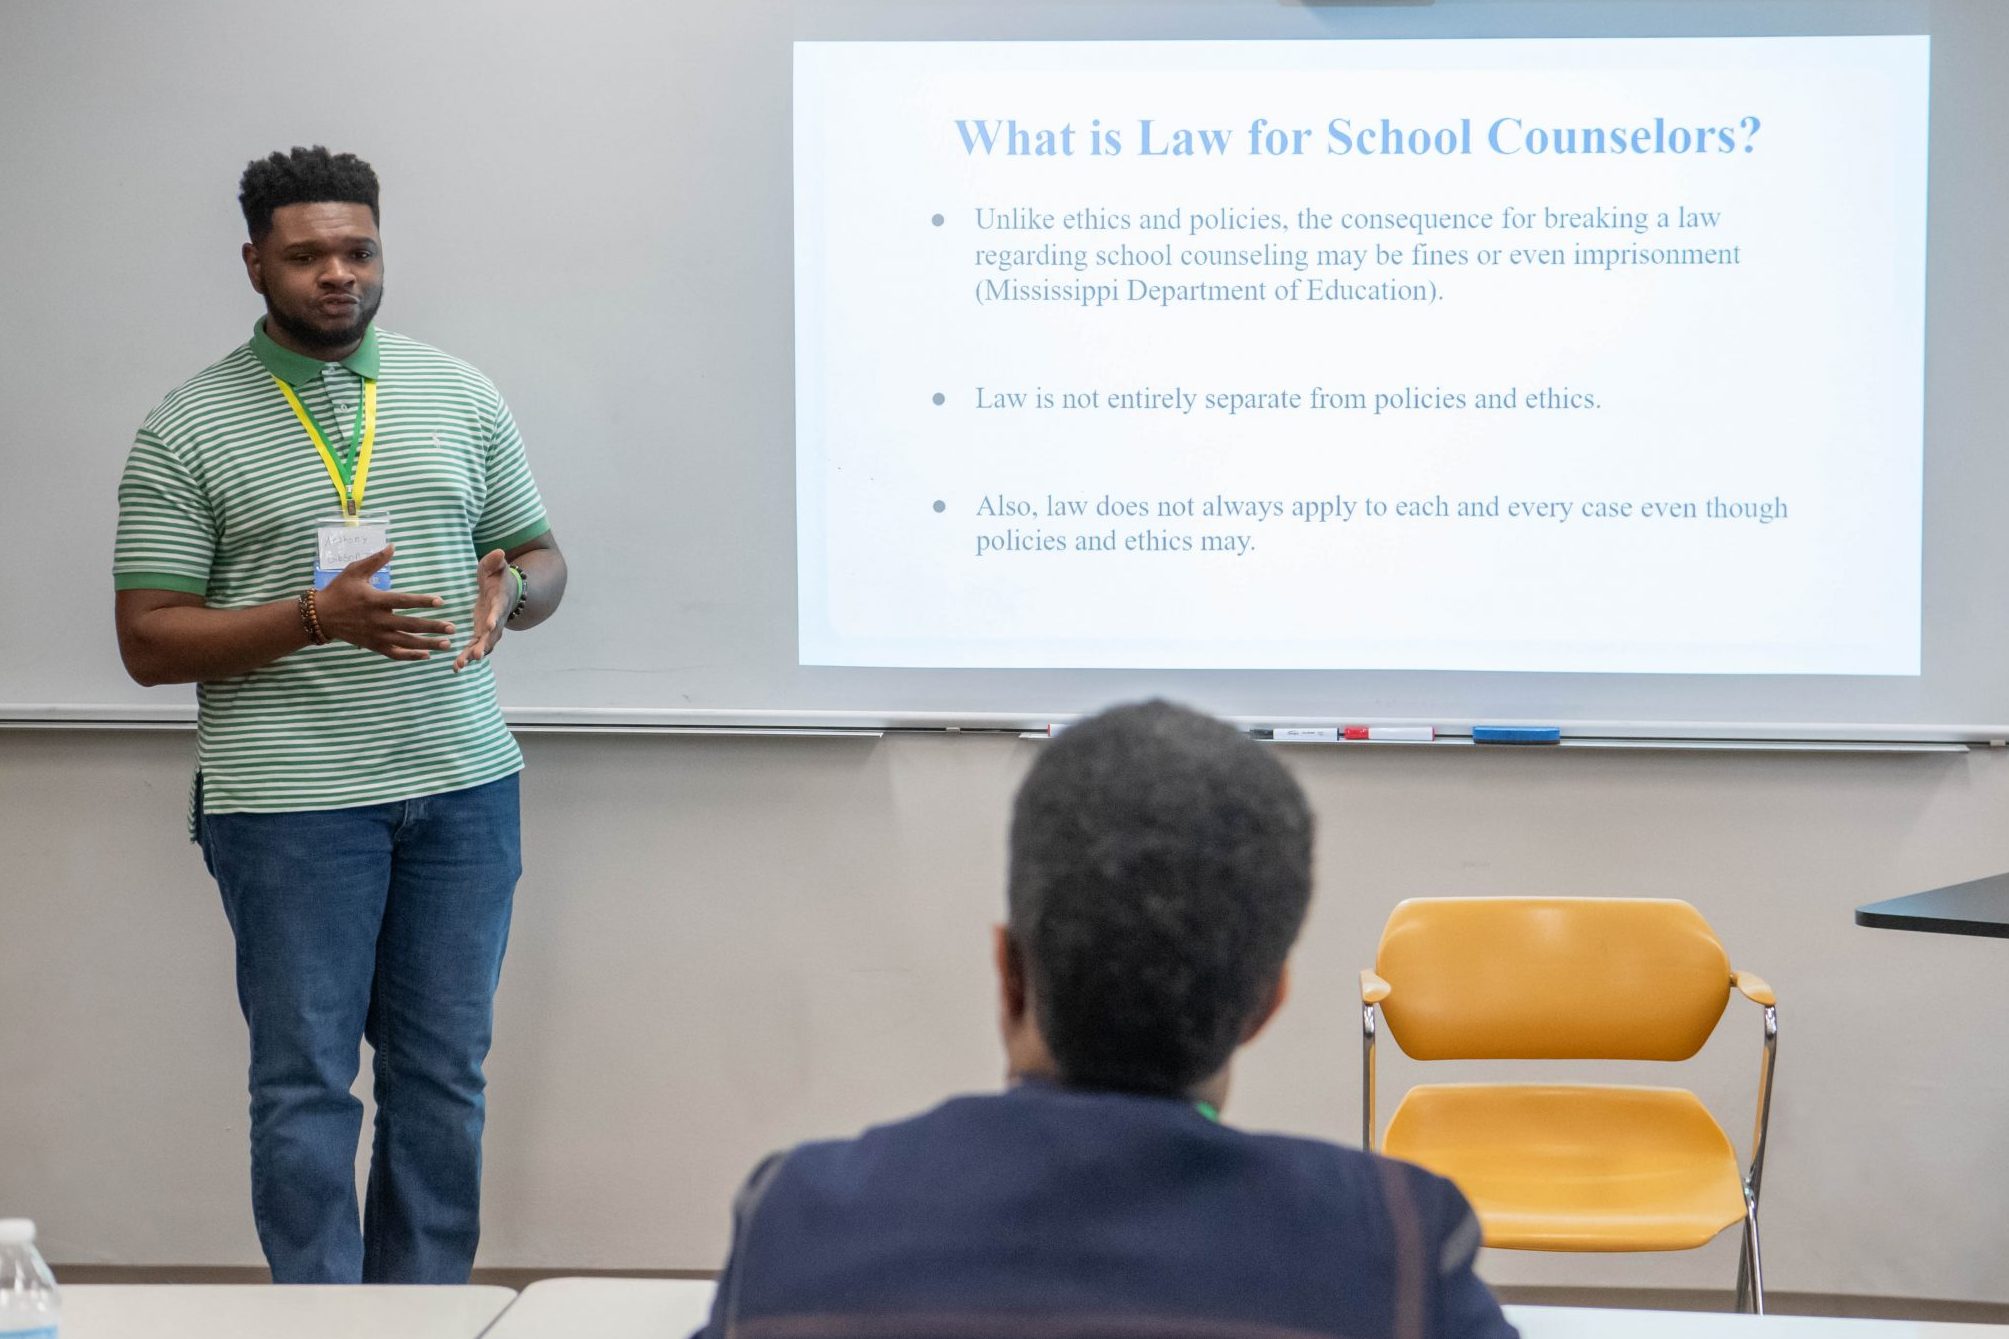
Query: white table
606, 1309
248, 1311
673, 1308
1571, 1322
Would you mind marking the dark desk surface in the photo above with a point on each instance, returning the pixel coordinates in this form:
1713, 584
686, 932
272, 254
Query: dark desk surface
1979, 907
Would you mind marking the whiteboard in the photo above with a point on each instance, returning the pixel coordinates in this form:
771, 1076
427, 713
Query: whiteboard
594, 207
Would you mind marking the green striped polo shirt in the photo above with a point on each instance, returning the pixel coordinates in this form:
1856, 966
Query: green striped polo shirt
220, 498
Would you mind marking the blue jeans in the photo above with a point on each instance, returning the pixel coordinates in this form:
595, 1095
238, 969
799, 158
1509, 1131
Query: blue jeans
384, 922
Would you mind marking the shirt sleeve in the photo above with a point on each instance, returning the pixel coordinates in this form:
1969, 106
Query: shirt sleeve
1466, 1307
725, 1301
166, 535
513, 512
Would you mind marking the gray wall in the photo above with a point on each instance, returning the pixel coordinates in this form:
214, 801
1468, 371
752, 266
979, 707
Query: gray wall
723, 945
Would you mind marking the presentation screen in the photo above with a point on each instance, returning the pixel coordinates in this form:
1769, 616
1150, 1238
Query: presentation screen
1561, 355
1629, 369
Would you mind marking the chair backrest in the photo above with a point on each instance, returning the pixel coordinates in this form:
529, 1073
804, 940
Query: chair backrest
1551, 978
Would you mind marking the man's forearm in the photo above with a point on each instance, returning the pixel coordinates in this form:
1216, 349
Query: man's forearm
544, 575
189, 643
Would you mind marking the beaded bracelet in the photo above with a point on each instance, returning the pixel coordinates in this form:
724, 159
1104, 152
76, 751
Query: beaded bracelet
310, 618
522, 594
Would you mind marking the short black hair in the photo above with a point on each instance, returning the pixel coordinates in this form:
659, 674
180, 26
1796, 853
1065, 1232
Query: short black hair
1160, 870
303, 177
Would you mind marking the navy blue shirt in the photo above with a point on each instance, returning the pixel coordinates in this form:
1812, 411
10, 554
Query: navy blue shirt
1054, 1211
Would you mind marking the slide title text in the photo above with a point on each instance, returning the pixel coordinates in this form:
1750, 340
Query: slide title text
1505, 136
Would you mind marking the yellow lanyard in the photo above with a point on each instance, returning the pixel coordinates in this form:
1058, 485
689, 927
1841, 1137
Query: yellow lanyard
351, 495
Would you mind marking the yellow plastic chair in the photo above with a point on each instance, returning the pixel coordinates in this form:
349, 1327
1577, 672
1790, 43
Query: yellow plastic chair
1568, 1167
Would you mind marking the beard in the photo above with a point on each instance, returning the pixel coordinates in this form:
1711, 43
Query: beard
320, 337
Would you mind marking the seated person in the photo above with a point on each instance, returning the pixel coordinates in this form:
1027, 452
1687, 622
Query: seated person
1160, 870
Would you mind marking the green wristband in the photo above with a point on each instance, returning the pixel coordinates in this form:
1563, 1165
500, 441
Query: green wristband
522, 592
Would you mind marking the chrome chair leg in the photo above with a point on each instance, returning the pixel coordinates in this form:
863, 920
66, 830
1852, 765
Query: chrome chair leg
1750, 1267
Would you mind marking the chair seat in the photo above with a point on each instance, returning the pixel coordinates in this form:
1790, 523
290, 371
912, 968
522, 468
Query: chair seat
1576, 1167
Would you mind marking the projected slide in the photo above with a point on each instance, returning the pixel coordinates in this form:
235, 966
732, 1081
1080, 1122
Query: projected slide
1599, 356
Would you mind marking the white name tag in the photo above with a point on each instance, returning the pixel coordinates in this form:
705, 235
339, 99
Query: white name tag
338, 543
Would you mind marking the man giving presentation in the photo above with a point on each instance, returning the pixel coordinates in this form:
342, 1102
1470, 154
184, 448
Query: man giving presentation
328, 531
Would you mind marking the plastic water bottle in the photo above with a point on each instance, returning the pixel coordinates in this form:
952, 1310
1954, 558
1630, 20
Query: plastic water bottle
30, 1306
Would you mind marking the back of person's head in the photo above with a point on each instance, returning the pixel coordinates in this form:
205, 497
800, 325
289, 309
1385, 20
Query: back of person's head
1160, 870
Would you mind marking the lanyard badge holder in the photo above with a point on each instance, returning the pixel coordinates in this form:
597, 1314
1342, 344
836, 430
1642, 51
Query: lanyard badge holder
341, 540
353, 534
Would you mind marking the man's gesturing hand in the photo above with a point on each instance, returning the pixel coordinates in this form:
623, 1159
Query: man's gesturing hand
491, 608
354, 611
